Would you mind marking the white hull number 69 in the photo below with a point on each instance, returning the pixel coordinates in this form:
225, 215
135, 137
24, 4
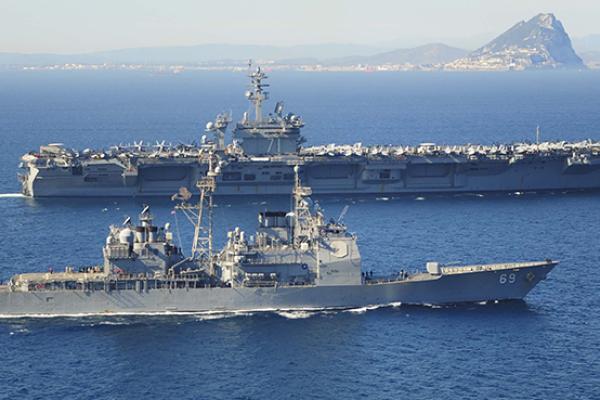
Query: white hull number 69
507, 278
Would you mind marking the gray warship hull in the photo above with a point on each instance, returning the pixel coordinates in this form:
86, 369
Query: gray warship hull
264, 150
325, 174
454, 285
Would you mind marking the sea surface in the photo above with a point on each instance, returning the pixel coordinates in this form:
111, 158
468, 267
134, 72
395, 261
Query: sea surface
547, 347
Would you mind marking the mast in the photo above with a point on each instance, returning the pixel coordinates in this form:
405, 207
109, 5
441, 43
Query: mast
306, 226
203, 235
200, 215
303, 219
256, 94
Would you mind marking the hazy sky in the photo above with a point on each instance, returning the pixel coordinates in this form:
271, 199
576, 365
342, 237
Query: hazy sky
64, 26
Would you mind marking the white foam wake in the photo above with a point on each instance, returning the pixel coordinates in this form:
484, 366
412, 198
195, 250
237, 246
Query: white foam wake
299, 313
109, 323
362, 310
11, 195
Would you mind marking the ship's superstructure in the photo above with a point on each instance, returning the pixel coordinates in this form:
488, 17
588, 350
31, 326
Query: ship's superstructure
271, 135
297, 260
293, 248
265, 148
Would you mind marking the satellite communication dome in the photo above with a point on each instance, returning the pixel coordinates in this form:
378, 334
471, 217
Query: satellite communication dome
126, 236
209, 126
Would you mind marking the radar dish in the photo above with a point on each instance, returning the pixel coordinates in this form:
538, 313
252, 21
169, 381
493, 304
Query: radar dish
183, 195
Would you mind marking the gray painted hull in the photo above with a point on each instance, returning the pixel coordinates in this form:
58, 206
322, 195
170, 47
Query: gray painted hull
334, 175
426, 290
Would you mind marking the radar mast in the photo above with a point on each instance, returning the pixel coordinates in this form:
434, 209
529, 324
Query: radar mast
200, 215
256, 93
304, 223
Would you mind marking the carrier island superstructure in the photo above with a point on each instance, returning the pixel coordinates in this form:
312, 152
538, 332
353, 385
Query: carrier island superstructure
297, 260
264, 149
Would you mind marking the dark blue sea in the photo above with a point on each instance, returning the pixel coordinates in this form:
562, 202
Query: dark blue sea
547, 347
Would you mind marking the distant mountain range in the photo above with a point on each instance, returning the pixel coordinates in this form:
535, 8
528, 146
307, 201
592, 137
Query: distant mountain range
541, 42
434, 53
213, 53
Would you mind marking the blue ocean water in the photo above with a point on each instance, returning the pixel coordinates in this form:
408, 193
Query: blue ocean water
547, 347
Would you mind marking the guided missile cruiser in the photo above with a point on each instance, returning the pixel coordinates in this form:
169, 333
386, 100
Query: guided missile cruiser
264, 149
297, 260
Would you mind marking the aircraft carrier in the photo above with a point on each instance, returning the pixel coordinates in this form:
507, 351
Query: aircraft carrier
264, 148
297, 260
